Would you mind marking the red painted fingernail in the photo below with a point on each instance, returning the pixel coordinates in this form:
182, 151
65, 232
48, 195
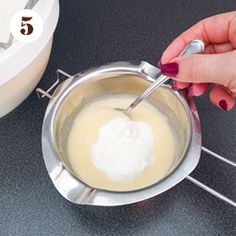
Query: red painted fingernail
190, 92
170, 69
223, 105
174, 86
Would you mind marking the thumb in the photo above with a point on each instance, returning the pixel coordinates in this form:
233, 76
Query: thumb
212, 68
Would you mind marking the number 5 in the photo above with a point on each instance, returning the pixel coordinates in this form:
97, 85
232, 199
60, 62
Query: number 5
27, 28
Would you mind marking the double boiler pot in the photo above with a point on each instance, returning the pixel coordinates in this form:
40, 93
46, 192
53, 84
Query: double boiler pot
132, 78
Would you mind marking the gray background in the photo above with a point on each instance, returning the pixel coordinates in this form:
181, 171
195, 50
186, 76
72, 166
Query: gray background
92, 33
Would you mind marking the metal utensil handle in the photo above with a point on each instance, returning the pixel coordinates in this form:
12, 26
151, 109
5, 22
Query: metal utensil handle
194, 47
161, 79
208, 189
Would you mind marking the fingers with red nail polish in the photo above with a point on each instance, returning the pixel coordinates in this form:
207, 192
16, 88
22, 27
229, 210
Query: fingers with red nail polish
213, 68
216, 66
198, 89
221, 98
170, 69
223, 104
179, 85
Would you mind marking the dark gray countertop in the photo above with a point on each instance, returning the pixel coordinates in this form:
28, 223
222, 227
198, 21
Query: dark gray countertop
92, 33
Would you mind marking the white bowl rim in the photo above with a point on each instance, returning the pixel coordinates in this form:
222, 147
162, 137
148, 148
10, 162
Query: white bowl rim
50, 15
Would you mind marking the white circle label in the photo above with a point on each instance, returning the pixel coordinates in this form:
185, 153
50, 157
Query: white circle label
26, 25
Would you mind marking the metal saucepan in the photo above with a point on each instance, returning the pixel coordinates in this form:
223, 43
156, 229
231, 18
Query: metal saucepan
118, 78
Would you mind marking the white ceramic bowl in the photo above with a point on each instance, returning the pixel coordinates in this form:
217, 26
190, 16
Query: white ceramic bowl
23, 64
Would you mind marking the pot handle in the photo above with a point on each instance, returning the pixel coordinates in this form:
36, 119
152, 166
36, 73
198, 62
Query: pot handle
42, 93
208, 189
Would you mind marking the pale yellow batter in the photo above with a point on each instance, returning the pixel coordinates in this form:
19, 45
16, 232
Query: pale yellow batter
85, 131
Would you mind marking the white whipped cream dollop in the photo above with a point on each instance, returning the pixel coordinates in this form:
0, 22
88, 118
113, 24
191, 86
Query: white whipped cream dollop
124, 148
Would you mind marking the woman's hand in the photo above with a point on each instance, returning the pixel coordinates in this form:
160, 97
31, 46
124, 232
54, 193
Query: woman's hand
217, 65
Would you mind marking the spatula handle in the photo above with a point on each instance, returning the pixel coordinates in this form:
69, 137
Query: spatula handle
194, 47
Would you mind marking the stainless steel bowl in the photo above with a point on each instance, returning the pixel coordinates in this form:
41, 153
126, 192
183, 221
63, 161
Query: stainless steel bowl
116, 78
